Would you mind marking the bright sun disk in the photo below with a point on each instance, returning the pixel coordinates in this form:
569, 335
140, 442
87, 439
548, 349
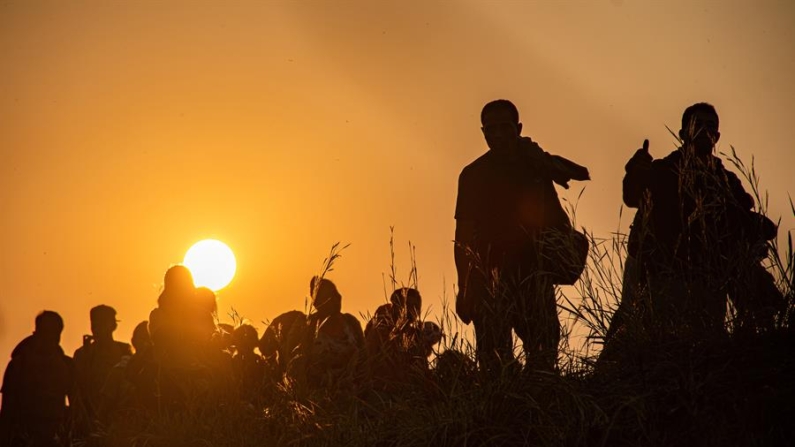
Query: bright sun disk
212, 264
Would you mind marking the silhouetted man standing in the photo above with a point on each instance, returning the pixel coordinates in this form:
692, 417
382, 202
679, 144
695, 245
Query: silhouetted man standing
694, 235
506, 205
35, 385
96, 358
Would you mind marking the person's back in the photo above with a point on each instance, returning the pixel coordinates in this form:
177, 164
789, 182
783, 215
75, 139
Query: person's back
36, 383
336, 348
281, 341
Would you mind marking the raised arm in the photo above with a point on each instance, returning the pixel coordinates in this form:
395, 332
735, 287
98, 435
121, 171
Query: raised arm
636, 178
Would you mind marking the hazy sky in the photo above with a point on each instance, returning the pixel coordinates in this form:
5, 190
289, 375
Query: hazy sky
131, 130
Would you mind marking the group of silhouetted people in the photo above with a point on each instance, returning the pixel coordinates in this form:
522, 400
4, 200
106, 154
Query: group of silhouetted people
695, 245
181, 356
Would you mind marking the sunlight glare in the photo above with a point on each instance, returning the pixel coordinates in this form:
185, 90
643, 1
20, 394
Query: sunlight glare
212, 264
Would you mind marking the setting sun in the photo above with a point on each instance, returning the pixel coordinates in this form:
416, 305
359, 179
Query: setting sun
212, 263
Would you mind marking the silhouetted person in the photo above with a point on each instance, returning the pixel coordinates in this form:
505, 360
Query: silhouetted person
169, 322
94, 361
281, 341
693, 237
178, 289
335, 354
144, 373
36, 383
398, 344
190, 365
248, 366
119, 391
202, 314
506, 207
183, 325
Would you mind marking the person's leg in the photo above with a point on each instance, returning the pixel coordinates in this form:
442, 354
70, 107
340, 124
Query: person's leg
493, 335
536, 323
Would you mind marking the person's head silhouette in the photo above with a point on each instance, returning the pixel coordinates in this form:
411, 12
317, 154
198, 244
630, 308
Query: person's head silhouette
177, 287
103, 322
245, 339
408, 302
699, 130
140, 337
325, 297
49, 326
501, 126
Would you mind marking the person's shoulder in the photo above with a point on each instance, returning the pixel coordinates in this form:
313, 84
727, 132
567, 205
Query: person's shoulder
23, 347
668, 164
481, 163
81, 352
384, 314
384, 309
672, 158
718, 163
352, 321
123, 347
289, 317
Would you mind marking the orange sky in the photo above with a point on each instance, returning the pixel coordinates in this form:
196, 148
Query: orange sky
130, 130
